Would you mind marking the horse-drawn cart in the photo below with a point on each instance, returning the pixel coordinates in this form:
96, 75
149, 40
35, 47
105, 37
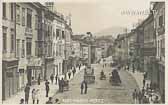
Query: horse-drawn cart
115, 78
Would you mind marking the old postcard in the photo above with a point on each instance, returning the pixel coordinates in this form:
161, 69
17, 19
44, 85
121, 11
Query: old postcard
83, 52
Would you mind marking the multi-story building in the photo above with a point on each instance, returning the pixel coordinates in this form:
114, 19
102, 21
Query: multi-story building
159, 26
61, 44
10, 73
32, 35
26, 37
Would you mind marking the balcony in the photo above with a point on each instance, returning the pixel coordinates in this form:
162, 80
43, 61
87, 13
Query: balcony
28, 31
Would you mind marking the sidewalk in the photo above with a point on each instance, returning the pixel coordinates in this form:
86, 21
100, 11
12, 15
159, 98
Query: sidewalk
53, 89
138, 77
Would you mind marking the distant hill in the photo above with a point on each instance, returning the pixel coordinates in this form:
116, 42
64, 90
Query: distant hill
112, 31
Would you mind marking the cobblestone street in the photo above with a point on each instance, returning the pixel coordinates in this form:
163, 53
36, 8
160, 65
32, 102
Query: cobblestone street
101, 91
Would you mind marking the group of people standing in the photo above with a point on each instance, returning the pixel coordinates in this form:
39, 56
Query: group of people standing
35, 95
145, 95
142, 97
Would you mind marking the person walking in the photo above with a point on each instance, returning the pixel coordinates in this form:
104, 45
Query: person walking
52, 78
144, 81
85, 86
82, 86
59, 84
69, 74
74, 71
49, 101
134, 96
33, 95
62, 85
56, 79
79, 66
140, 97
38, 80
37, 95
27, 91
47, 87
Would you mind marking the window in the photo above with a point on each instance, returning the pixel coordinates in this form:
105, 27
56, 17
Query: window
57, 33
29, 18
12, 42
23, 16
37, 49
12, 11
23, 48
4, 39
63, 35
161, 21
17, 14
4, 10
17, 48
36, 22
28, 46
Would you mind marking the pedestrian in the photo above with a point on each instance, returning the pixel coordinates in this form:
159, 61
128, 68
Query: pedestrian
62, 84
79, 66
147, 87
59, 84
56, 79
27, 91
37, 96
143, 91
144, 81
74, 71
85, 86
145, 75
140, 97
82, 86
21, 101
52, 78
69, 74
47, 87
39, 79
33, 95
134, 96
49, 101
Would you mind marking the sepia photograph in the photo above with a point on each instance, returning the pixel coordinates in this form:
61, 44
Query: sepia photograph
83, 52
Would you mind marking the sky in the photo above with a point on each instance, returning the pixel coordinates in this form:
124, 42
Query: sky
96, 15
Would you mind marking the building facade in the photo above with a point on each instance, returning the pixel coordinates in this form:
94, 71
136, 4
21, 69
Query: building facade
10, 73
159, 26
